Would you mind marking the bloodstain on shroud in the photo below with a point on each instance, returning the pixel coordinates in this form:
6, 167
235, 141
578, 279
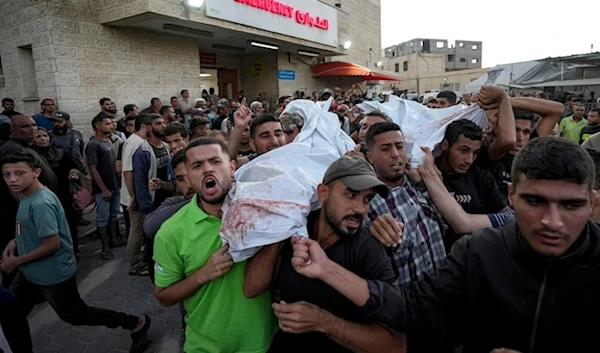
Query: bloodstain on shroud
245, 215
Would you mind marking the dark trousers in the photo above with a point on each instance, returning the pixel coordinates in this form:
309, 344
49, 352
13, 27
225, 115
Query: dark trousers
68, 305
72, 217
149, 256
14, 323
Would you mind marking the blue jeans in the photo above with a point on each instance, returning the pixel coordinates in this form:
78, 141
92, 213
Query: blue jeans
107, 210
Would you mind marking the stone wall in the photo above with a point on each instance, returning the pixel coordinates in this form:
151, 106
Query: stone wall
78, 61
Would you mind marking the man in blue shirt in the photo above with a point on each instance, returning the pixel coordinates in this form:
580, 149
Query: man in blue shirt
42, 251
45, 119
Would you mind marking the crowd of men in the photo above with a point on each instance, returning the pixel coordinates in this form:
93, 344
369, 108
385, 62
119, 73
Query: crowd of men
490, 246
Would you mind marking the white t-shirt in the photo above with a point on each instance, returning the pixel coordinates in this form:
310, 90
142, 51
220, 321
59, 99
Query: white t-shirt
129, 147
186, 106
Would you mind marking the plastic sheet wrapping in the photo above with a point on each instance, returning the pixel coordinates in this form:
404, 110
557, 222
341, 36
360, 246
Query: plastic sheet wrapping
275, 192
422, 126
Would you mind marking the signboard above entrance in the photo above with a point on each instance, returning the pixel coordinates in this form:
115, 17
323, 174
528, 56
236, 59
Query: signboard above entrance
304, 19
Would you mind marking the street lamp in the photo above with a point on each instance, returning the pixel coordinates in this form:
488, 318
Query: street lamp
196, 4
347, 45
379, 63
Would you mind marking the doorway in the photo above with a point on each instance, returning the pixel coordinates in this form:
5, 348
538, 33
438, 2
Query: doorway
228, 83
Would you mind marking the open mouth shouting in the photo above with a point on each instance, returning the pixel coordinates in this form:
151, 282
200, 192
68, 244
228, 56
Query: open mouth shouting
210, 186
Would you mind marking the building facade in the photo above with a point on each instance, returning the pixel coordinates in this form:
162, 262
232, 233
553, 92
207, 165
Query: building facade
78, 51
427, 72
461, 55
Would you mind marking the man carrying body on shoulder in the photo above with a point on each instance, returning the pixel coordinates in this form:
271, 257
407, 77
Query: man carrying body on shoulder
312, 316
192, 265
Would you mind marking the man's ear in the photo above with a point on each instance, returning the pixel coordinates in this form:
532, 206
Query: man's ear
37, 172
323, 192
369, 156
444, 145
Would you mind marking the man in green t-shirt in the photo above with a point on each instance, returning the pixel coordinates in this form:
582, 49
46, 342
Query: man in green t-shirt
43, 252
192, 264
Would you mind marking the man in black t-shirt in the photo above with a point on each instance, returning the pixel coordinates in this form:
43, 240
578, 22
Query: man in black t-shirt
313, 316
102, 162
473, 187
524, 110
593, 126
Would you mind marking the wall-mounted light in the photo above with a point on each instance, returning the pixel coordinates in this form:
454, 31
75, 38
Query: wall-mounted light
308, 53
264, 45
347, 44
379, 63
195, 4
205, 75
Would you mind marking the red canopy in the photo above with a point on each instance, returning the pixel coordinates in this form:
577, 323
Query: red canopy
353, 70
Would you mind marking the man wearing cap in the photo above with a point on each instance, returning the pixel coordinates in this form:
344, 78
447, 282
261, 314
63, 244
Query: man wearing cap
292, 125
223, 111
69, 140
313, 316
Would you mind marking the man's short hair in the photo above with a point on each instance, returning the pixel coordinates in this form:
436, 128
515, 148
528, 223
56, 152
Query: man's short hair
130, 118
283, 98
198, 123
98, 119
20, 156
154, 100
597, 110
174, 98
215, 133
129, 108
449, 95
380, 114
46, 99
554, 158
176, 128
522, 114
261, 119
164, 109
104, 100
142, 119
595, 154
463, 127
378, 129
206, 141
8, 100
183, 91
179, 157
577, 101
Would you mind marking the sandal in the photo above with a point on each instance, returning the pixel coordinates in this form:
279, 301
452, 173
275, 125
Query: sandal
143, 271
107, 255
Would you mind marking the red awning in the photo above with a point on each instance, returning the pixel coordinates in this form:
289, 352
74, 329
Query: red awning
353, 70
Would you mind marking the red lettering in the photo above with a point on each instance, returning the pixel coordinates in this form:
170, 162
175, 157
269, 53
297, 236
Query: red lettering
281, 9
261, 4
300, 17
268, 5
274, 7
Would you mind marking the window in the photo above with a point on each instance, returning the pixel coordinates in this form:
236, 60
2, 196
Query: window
474, 61
27, 71
457, 86
421, 43
461, 45
463, 60
439, 45
397, 67
1, 75
475, 47
405, 66
451, 57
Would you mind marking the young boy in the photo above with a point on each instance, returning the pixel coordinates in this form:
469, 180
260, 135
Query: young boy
43, 253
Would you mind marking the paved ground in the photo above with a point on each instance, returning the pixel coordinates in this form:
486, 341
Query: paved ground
106, 284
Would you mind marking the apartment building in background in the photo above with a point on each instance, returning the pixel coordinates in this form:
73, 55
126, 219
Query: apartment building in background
434, 64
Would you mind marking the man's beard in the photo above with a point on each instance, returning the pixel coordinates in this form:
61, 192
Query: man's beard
60, 130
336, 224
112, 111
158, 134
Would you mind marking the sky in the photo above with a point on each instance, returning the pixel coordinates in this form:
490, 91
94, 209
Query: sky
511, 31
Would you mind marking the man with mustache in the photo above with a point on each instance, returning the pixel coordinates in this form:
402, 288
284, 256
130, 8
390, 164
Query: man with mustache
71, 141
192, 265
312, 316
515, 287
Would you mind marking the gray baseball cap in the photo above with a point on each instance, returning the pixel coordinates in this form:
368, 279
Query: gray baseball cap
356, 173
223, 103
